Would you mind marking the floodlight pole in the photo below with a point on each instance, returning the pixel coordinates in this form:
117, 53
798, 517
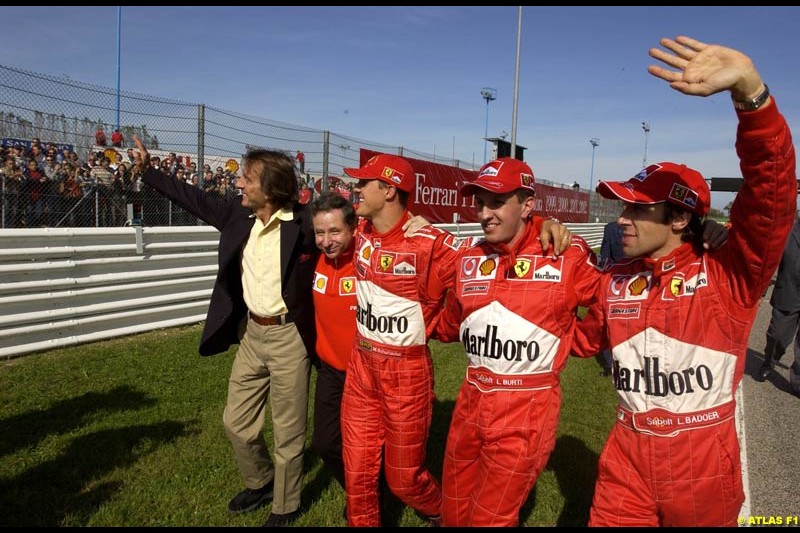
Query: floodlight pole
119, 54
595, 142
488, 94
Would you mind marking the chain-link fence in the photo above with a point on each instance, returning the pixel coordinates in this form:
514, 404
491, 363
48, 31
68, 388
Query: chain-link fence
65, 164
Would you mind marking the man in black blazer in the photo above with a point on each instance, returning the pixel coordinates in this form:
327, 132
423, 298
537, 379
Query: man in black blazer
610, 253
261, 300
611, 247
785, 301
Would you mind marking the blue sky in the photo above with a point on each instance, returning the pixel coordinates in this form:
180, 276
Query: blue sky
412, 76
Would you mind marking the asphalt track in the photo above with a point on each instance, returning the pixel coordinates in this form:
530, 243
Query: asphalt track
769, 430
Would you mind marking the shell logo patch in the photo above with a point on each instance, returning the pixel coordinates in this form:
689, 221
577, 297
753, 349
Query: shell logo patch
320, 282
487, 266
637, 286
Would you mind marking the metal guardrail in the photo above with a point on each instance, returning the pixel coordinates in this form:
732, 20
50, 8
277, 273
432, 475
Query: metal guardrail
61, 287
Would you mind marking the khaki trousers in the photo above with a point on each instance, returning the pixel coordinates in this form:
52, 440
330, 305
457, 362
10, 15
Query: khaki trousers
271, 362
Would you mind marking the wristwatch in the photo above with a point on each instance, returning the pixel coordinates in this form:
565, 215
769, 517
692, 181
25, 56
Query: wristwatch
755, 103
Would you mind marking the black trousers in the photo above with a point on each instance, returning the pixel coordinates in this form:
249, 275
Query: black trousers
783, 327
327, 439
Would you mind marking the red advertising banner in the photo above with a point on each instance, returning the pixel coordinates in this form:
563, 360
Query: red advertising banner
436, 195
567, 205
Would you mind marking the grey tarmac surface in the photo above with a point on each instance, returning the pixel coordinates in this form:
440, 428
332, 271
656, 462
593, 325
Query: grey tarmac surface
771, 427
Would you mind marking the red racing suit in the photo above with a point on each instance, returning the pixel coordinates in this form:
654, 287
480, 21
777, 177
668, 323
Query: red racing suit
515, 312
388, 395
335, 305
678, 329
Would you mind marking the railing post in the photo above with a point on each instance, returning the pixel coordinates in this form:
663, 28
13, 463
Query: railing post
3, 207
326, 143
201, 145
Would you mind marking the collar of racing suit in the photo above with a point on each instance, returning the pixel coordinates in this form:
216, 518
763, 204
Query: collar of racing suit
397, 229
533, 227
666, 265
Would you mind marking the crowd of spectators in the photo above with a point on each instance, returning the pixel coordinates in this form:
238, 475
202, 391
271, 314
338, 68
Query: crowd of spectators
47, 185
309, 188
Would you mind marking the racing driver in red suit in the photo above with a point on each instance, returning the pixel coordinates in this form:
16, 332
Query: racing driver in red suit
514, 308
677, 318
388, 393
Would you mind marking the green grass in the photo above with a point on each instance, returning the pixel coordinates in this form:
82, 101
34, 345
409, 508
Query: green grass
129, 432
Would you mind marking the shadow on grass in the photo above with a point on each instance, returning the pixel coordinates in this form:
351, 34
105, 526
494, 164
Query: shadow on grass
575, 468
68, 487
28, 429
440, 425
315, 486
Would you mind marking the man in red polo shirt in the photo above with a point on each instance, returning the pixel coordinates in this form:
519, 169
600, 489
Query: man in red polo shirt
334, 221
